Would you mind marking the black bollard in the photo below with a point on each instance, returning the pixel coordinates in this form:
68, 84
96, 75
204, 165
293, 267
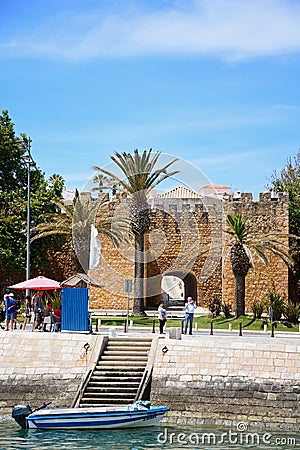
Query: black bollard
182, 325
153, 326
241, 329
211, 327
273, 329
125, 326
97, 325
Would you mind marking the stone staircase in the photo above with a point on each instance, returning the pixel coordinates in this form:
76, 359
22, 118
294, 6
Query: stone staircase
118, 373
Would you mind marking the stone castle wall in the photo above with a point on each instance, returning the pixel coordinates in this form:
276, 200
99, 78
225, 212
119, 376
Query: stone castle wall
187, 237
265, 217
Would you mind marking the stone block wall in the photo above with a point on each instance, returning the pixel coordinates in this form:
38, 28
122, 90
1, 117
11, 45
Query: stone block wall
203, 379
217, 380
265, 217
43, 367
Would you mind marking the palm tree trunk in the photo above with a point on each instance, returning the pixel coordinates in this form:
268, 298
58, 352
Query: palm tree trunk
240, 267
138, 301
240, 281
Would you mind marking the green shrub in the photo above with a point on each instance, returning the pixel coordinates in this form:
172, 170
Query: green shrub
257, 308
292, 312
227, 309
278, 304
215, 306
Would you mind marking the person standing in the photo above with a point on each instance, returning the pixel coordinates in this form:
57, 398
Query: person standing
162, 315
27, 311
57, 319
10, 311
38, 309
190, 307
47, 315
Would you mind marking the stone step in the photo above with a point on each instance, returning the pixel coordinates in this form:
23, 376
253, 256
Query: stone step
122, 358
136, 378
88, 404
93, 390
129, 342
109, 397
119, 383
128, 347
128, 351
131, 339
115, 371
107, 365
120, 354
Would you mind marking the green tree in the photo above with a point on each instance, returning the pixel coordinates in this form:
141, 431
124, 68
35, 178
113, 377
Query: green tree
242, 248
74, 221
140, 177
13, 203
288, 180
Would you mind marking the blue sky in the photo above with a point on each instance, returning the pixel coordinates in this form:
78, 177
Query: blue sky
211, 81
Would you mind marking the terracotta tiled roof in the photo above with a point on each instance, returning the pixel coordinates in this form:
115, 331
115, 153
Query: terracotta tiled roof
179, 192
215, 187
73, 280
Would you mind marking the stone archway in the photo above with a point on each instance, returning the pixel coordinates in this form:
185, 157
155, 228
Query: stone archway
177, 286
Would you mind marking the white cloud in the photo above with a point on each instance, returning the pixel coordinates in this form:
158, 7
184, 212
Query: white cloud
231, 29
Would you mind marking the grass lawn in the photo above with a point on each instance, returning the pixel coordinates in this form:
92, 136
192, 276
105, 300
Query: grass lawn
219, 323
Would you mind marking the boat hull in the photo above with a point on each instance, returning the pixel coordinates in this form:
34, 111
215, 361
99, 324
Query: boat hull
95, 418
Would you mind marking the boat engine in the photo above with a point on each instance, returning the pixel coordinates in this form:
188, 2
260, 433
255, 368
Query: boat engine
20, 412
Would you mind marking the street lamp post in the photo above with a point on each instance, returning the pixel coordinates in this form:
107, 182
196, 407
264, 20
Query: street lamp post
27, 158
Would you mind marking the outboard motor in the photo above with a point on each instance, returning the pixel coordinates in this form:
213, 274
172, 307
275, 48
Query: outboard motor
20, 412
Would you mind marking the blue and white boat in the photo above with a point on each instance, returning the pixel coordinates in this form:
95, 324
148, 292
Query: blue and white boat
131, 416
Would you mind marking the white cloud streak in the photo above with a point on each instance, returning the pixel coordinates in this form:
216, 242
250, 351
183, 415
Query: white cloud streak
231, 30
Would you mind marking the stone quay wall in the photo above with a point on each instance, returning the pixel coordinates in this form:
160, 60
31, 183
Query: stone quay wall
203, 379
43, 367
227, 380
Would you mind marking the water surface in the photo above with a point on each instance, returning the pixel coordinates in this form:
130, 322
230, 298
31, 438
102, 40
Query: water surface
208, 438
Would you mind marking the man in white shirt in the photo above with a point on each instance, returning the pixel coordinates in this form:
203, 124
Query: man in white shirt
190, 307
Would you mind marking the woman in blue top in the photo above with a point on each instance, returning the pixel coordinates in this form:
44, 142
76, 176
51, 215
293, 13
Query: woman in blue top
190, 307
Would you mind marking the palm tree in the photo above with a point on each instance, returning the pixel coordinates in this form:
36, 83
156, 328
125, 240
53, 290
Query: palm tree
140, 177
243, 247
75, 222
105, 183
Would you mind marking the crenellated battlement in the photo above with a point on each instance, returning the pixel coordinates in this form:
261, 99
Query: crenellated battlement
206, 204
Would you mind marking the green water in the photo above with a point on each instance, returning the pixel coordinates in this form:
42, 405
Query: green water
14, 438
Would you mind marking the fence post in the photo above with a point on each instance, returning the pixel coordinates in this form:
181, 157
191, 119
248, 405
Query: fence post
241, 328
273, 329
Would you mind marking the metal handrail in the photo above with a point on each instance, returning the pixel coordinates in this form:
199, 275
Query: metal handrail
81, 388
141, 385
144, 383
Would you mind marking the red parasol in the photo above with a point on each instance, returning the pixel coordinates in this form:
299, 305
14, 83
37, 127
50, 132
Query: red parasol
37, 284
